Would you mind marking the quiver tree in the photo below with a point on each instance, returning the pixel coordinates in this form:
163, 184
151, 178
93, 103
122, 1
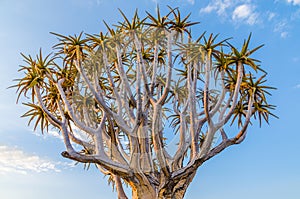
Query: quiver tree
145, 102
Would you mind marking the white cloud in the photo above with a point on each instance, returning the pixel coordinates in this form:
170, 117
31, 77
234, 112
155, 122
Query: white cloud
49, 134
55, 134
271, 16
242, 11
79, 134
13, 160
191, 2
246, 13
219, 6
294, 2
298, 86
208, 9
281, 28
295, 15
284, 34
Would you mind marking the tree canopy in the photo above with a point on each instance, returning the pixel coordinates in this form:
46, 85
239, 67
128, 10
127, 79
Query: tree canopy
146, 101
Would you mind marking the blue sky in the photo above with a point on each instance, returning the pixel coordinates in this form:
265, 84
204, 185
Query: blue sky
265, 165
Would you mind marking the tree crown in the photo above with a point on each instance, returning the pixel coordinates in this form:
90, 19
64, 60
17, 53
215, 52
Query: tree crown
130, 88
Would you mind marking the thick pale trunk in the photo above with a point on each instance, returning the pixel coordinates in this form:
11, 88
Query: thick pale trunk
143, 192
177, 195
172, 190
177, 188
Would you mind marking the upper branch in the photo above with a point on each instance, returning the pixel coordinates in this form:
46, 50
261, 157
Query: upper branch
169, 72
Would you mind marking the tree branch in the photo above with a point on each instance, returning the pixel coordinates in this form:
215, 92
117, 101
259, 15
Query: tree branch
191, 81
235, 95
102, 104
81, 125
157, 140
56, 122
164, 96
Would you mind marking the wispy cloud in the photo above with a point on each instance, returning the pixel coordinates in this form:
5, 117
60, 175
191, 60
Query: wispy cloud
297, 86
76, 131
54, 134
294, 2
295, 15
271, 16
218, 6
284, 34
282, 28
191, 1
14, 160
245, 13
249, 12
239, 11
50, 134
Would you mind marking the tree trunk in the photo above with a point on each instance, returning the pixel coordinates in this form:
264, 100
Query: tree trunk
173, 189
176, 189
143, 192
